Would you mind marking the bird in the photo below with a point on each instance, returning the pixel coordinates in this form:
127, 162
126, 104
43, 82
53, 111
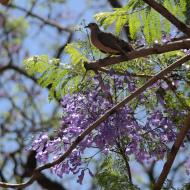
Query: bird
106, 42
4, 2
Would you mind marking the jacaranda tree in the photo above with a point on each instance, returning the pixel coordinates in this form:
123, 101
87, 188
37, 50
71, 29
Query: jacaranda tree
129, 107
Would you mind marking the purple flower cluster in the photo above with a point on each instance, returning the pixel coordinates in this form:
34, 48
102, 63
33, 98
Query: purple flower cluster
147, 139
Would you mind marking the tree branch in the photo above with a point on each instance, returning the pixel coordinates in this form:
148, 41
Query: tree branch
172, 154
48, 183
61, 48
98, 122
104, 88
45, 21
122, 153
24, 73
172, 46
17, 69
169, 16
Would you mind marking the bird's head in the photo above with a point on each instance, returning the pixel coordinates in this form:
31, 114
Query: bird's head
92, 26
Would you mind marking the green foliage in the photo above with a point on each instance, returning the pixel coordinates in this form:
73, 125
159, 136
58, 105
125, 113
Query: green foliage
185, 187
134, 24
183, 4
18, 25
58, 77
15, 29
107, 18
121, 21
141, 17
110, 177
152, 26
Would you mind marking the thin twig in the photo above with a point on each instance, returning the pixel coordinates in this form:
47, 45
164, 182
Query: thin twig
104, 88
45, 21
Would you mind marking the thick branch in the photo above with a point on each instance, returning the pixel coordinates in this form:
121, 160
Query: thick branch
47, 183
98, 122
168, 15
172, 154
172, 46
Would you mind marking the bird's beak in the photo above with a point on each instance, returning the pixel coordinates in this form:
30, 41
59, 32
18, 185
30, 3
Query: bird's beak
87, 26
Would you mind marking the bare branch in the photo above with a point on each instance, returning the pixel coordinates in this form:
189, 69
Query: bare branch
169, 16
172, 154
17, 69
103, 88
61, 48
111, 111
122, 153
45, 21
24, 73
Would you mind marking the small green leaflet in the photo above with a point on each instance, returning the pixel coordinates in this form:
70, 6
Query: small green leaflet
59, 78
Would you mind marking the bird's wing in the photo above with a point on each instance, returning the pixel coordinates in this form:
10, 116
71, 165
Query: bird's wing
113, 42
108, 40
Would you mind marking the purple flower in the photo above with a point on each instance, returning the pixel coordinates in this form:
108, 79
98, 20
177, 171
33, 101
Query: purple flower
42, 156
130, 82
145, 140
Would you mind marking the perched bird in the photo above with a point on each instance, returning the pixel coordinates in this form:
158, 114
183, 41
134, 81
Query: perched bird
4, 2
107, 42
